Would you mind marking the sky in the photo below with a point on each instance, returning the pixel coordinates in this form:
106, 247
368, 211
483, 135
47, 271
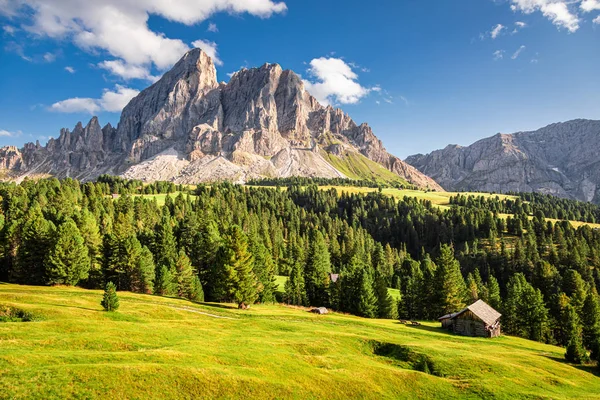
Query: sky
422, 74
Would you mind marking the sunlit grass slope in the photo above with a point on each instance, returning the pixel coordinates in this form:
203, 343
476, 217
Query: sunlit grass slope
156, 348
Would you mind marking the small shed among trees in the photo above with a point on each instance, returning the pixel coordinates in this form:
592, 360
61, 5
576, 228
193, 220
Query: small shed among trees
478, 319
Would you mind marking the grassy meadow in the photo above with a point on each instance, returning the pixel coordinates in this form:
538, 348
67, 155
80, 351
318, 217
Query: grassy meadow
155, 347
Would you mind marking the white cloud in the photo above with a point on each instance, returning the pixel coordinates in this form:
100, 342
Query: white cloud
520, 24
590, 5
70, 69
9, 30
49, 57
210, 48
212, 28
335, 81
496, 31
518, 52
126, 71
111, 101
558, 11
597, 20
498, 55
120, 27
5, 133
115, 101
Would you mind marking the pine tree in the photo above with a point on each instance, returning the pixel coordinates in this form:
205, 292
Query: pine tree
110, 300
472, 289
240, 282
295, 292
533, 313
451, 285
36, 241
67, 262
493, 290
316, 270
575, 352
367, 301
184, 275
591, 323
196, 293
88, 227
164, 283
386, 306
143, 275
165, 247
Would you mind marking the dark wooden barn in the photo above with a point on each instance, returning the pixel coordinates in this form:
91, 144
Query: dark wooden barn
478, 319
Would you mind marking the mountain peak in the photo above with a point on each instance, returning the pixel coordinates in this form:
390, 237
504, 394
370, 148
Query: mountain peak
188, 128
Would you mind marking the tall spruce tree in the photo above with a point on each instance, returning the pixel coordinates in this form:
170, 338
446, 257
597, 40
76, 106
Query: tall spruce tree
316, 270
67, 262
367, 301
184, 275
451, 285
142, 277
591, 324
575, 352
240, 282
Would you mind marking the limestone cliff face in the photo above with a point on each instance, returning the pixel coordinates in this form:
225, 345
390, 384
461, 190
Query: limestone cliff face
562, 159
187, 127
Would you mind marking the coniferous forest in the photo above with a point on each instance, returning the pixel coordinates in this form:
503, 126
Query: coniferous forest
227, 243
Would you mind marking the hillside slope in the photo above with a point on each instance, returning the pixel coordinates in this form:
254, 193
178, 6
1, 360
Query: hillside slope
156, 347
561, 159
189, 128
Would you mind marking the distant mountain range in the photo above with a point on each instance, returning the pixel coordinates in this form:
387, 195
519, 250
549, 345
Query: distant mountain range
562, 159
188, 128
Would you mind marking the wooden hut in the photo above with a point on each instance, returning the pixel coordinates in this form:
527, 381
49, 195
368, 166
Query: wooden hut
478, 319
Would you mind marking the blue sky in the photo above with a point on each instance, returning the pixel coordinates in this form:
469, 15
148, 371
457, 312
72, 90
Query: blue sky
422, 75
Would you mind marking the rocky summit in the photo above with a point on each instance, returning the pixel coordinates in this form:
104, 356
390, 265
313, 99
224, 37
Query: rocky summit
562, 159
189, 128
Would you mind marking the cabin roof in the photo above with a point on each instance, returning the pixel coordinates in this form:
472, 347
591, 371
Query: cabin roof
481, 309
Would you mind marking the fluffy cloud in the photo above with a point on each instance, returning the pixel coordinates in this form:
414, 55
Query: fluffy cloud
70, 69
126, 71
212, 28
558, 11
335, 81
590, 5
120, 27
597, 20
496, 31
210, 48
49, 57
111, 101
517, 53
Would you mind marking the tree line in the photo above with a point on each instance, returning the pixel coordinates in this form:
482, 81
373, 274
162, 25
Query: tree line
226, 242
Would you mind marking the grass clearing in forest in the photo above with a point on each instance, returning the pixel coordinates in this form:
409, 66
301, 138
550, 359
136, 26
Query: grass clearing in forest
155, 348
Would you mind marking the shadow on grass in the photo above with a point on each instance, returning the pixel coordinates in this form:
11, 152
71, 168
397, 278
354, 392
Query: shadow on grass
427, 328
66, 306
200, 303
590, 368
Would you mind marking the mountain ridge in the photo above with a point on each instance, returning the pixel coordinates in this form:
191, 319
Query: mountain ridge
188, 128
561, 159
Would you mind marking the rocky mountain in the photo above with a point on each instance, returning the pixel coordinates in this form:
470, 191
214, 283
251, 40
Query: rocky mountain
189, 128
562, 159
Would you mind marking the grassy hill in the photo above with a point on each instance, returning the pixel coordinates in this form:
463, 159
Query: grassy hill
156, 347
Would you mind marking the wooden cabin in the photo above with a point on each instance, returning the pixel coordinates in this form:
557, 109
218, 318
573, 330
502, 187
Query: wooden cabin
478, 319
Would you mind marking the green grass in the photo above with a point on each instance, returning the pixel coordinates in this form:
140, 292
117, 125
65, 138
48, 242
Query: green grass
356, 166
160, 198
156, 348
